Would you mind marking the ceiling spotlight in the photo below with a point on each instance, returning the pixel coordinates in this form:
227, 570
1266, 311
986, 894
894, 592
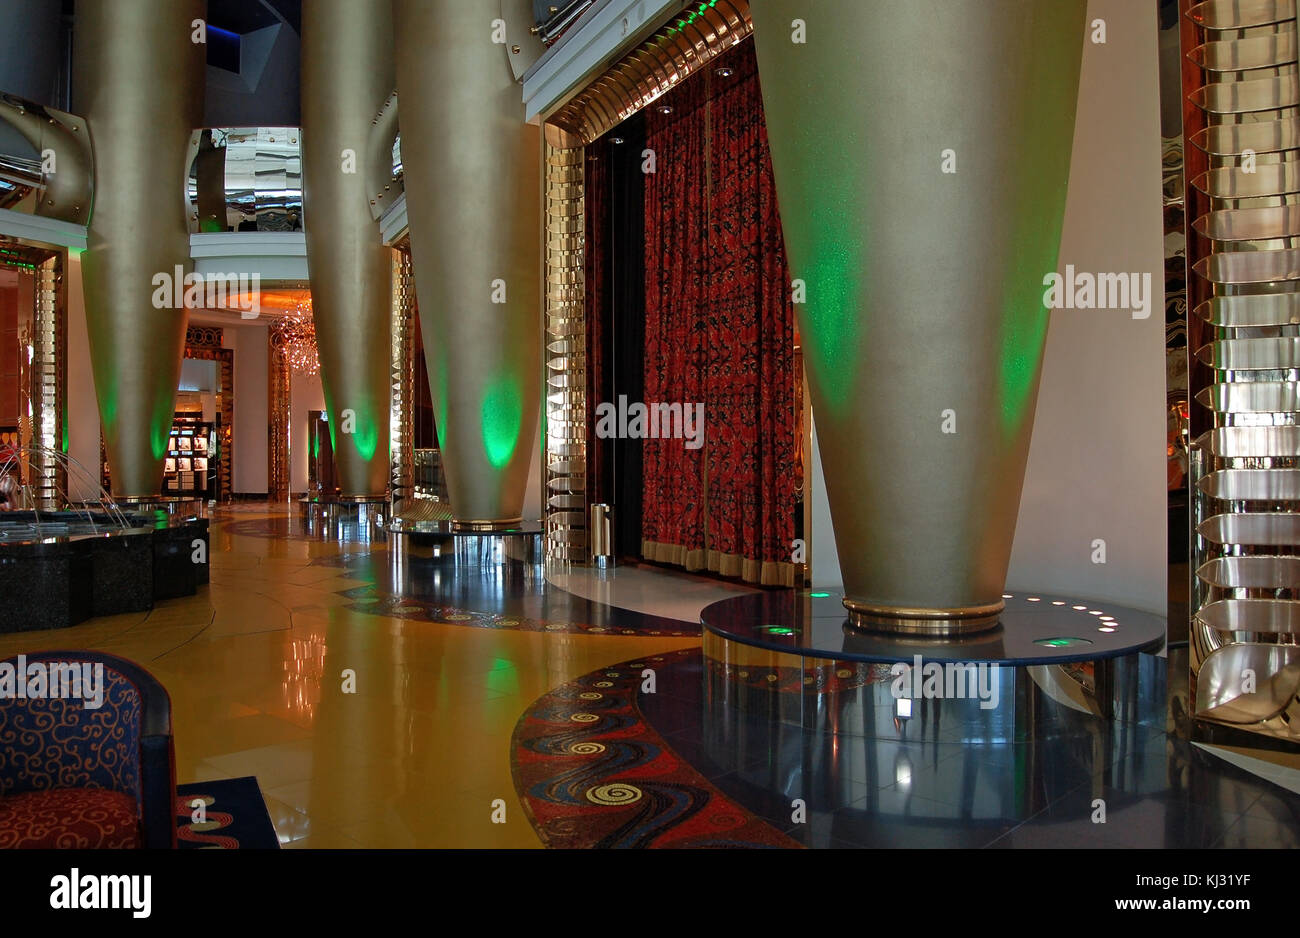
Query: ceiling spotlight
724, 72
665, 109
616, 140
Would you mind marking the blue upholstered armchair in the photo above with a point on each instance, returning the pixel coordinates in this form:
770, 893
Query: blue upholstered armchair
73, 776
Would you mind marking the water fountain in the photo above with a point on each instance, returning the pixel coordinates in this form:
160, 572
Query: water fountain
64, 560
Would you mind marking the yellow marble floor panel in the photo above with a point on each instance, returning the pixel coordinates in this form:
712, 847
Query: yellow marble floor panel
362, 730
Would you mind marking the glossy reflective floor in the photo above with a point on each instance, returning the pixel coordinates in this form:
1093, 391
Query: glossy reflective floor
254, 665
1032, 773
448, 677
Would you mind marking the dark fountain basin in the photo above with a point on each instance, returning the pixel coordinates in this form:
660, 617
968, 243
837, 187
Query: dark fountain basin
60, 568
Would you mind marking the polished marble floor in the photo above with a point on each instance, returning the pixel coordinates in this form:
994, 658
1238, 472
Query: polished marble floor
1031, 773
416, 757
423, 753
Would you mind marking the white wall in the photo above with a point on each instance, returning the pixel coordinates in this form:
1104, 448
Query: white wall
305, 393
1097, 461
251, 407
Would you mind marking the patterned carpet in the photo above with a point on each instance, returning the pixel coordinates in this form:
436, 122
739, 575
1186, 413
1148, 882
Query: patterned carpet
591, 772
233, 816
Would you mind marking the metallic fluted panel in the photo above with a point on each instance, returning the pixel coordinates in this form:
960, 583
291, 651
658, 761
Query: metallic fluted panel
1250, 224
1263, 354
1218, 688
66, 190
1232, 139
1252, 529
1229, 182
924, 290
1267, 485
1250, 266
1261, 572
1251, 397
473, 196
401, 445
1257, 616
139, 82
1239, 14
683, 46
1276, 442
347, 141
1244, 97
566, 350
1248, 311
1242, 54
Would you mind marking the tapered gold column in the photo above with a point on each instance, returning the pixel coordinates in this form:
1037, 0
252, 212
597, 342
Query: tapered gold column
139, 83
924, 322
473, 194
348, 130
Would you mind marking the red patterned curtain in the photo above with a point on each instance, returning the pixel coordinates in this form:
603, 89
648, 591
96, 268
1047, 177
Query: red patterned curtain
719, 330
676, 322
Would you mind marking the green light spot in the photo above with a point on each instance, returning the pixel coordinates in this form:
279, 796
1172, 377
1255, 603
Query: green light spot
502, 419
819, 595
777, 630
1061, 642
366, 435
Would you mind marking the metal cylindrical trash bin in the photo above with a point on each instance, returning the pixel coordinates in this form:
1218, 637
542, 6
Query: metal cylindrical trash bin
601, 534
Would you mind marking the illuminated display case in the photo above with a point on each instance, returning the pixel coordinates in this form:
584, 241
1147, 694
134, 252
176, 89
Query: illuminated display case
192, 460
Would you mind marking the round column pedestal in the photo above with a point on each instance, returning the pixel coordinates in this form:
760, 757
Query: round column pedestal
923, 622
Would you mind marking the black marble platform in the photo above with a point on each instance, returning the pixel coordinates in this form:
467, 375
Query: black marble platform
60, 568
1035, 628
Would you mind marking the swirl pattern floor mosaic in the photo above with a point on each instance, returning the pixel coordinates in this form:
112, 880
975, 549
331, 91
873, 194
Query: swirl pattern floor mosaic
591, 772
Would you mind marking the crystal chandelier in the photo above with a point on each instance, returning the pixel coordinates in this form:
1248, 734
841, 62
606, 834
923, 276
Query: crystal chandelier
296, 335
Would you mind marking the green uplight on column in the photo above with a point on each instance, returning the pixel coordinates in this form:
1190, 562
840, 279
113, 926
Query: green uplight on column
160, 429
366, 435
502, 418
440, 402
831, 330
1039, 218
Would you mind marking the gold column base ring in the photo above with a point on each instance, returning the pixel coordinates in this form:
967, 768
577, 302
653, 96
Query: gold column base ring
963, 620
486, 526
